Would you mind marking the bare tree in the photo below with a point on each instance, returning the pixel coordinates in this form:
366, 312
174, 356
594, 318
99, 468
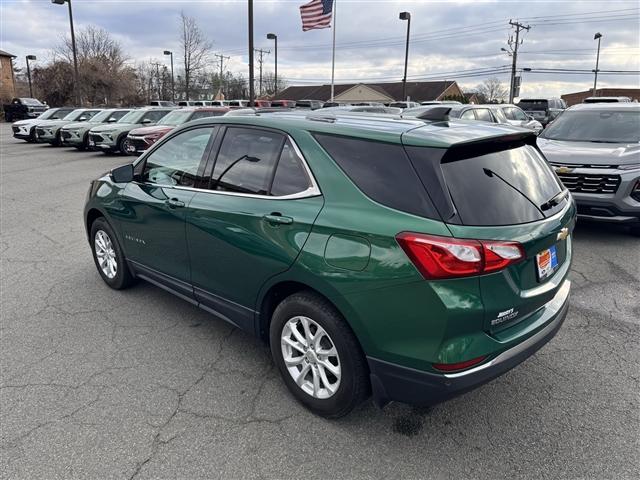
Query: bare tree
103, 74
492, 90
195, 49
269, 84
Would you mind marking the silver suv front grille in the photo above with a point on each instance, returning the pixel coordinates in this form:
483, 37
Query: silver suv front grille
590, 183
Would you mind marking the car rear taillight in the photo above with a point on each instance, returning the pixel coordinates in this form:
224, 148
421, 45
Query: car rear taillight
456, 367
446, 257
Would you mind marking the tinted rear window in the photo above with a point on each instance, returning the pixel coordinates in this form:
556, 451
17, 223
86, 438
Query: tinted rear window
528, 105
382, 171
502, 188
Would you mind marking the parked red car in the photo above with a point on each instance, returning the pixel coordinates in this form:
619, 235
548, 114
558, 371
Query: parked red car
140, 139
283, 103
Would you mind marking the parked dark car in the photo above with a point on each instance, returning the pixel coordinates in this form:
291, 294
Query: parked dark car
406, 259
23, 108
595, 150
544, 110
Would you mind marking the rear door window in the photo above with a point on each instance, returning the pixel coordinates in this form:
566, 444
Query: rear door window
246, 160
501, 188
382, 171
468, 115
484, 115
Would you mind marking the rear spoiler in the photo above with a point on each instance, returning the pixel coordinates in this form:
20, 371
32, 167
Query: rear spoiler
436, 114
484, 146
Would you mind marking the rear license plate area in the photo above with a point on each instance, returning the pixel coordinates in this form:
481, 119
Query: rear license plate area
547, 262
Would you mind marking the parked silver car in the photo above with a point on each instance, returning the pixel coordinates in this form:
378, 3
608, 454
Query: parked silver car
514, 115
595, 150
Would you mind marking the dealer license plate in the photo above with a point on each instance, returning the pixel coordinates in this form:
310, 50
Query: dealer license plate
547, 262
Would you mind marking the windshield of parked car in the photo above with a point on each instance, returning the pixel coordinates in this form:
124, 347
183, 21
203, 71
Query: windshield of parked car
600, 126
177, 117
73, 115
30, 101
100, 116
132, 117
48, 114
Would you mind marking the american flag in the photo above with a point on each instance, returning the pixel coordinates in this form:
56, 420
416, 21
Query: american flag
316, 14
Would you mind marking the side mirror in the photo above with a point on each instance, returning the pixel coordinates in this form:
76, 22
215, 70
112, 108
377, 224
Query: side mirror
82, 119
146, 120
123, 174
530, 117
112, 120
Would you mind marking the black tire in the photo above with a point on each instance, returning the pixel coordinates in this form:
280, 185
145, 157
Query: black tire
8, 118
354, 385
85, 143
635, 230
32, 135
122, 145
123, 277
57, 142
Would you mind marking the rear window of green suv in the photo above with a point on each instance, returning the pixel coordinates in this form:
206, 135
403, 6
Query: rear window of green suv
382, 171
490, 188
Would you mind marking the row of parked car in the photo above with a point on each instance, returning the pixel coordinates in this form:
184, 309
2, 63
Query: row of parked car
594, 147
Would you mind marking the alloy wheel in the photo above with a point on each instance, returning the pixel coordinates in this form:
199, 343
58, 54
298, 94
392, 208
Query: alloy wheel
106, 254
311, 357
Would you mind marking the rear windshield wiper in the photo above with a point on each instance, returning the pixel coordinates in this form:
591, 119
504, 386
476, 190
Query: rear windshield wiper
490, 173
555, 200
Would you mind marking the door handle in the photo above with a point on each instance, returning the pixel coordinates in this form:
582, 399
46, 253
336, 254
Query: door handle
278, 219
174, 203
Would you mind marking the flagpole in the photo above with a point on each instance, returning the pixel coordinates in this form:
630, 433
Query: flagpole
333, 54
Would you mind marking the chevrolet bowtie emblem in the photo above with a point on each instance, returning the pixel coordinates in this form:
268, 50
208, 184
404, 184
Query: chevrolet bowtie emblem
563, 234
564, 170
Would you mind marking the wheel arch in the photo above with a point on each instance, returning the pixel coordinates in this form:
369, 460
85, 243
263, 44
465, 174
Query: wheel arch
278, 289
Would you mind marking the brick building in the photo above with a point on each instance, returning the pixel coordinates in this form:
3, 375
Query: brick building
7, 81
578, 97
373, 92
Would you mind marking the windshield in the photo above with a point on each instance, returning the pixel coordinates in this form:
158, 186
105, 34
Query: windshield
48, 114
100, 116
607, 126
132, 117
73, 115
30, 101
177, 117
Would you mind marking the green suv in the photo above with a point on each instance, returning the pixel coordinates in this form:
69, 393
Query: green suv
77, 134
406, 259
113, 136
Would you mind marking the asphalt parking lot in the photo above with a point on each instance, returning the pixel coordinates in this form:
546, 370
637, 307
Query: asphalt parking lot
139, 384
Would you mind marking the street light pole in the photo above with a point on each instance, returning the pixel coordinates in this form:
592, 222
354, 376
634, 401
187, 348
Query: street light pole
73, 46
597, 36
273, 36
406, 16
30, 57
173, 83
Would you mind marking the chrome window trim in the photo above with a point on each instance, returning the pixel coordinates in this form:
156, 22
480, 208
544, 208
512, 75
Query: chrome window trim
312, 191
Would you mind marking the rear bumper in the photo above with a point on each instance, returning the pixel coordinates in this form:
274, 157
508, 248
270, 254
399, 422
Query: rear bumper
392, 382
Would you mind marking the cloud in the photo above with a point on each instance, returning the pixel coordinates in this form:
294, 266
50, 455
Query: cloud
445, 37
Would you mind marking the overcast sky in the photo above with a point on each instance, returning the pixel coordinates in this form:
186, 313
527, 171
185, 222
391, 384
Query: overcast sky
449, 39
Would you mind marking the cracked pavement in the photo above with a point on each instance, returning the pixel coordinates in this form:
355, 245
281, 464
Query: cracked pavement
139, 384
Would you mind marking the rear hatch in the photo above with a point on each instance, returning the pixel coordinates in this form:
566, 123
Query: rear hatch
539, 109
498, 189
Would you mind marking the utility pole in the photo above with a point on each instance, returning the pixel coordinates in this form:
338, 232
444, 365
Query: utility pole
252, 93
157, 65
222, 59
514, 48
261, 52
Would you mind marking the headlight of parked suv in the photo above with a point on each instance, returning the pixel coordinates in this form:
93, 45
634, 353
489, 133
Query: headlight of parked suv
631, 166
